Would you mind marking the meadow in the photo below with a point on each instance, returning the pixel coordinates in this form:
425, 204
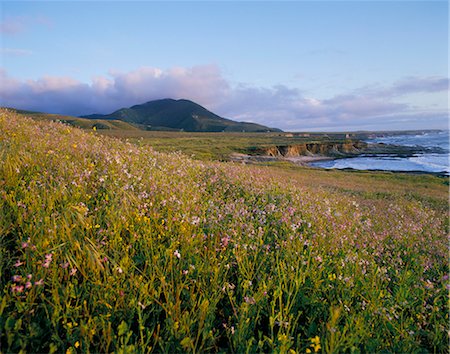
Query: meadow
108, 245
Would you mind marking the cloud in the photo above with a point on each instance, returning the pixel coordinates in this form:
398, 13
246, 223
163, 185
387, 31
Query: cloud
407, 86
15, 52
420, 84
65, 95
278, 106
19, 24
12, 25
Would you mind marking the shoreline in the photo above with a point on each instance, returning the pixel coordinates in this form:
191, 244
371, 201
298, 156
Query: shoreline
307, 160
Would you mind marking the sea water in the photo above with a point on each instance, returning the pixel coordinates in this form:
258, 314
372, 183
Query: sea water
426, 162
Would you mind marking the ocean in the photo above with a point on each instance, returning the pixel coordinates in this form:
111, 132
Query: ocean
425, 162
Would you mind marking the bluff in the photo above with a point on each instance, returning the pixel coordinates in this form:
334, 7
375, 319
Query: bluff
313, 148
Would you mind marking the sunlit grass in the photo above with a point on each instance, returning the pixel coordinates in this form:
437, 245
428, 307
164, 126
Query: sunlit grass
110, 246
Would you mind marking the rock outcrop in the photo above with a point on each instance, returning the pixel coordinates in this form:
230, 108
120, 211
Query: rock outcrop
308, 149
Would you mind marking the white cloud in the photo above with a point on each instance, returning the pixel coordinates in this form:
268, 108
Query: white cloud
278, 106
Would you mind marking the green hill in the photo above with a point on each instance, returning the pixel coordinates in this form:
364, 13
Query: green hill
83, 123
169, 114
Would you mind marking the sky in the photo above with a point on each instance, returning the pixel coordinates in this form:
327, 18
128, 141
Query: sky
294, 65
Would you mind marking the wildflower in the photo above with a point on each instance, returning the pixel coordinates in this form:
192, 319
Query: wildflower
119, 270
17, 288
195, 220
16, 278
18, 263
29, 276
48, 260
77, 344
25, 244
315, 344
284, 324
39, 282
28, 285
177, 254
64, 265
249, 300
73, 271
225, 241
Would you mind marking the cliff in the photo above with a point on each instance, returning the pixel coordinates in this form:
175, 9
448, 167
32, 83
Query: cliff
307, 149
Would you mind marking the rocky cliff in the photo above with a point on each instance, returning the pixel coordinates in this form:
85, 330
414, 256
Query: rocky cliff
319, 148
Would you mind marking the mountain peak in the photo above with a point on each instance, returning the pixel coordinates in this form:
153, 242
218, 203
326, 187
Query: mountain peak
181, 114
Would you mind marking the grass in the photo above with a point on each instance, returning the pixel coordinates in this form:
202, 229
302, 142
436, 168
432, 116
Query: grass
109, 246
215, 146
83, 123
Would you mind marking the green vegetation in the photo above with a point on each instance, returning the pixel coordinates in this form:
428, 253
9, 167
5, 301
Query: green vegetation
82, 123
108, 245
216, 146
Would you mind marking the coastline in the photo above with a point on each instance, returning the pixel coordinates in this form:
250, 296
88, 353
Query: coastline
308, 160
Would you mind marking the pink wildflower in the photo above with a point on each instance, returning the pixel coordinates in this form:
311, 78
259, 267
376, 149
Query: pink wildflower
18, 263
177, 254
73, 271
48, 260
16, 278
17, 288
39, 282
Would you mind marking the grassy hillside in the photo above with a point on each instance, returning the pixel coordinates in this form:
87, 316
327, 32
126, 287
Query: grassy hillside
110, 246
181, 115
83, 123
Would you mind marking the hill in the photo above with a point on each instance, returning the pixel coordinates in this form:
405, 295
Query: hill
78, 122
170, 114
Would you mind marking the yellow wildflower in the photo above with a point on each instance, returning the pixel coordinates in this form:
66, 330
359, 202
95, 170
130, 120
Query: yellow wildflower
315, 340
315, 344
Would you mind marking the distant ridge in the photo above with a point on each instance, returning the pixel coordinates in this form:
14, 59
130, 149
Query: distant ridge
184, 115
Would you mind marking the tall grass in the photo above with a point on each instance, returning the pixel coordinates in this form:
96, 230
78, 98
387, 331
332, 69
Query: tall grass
107, 246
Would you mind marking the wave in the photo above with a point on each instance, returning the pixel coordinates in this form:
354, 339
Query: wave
425, 163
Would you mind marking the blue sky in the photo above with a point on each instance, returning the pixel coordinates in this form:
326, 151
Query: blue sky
299, 65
